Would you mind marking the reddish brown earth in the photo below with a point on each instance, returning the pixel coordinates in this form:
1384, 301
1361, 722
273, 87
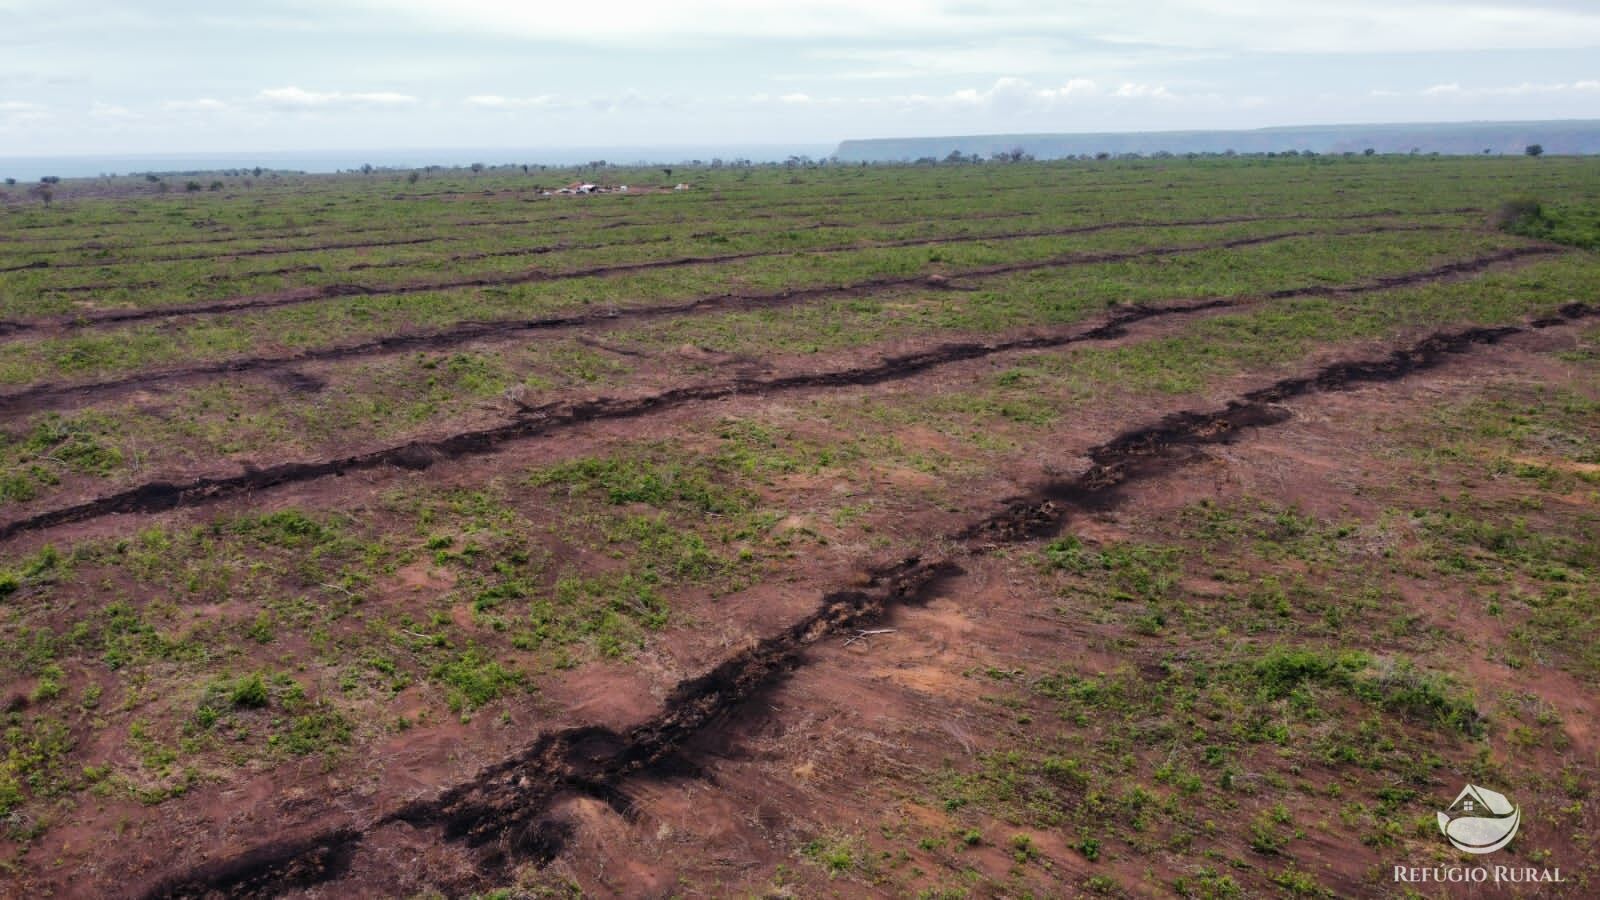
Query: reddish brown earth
865, 718
813, 729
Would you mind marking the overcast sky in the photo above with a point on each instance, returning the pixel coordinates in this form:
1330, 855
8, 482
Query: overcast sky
85, 76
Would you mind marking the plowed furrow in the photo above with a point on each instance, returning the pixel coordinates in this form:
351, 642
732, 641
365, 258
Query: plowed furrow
231, 254
300, 296
502, 811
43, 396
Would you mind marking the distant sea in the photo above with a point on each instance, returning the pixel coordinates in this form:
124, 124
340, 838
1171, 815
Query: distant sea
32, 168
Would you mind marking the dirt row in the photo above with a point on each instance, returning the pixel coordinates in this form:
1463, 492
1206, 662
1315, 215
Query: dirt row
210, 279
95, 246
501, 813
491, 254
158, 496
300, 296
235, 254
292, 233
303, 233
720, 197
51, 396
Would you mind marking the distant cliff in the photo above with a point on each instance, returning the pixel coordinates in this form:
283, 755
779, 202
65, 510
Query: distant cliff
1568, 136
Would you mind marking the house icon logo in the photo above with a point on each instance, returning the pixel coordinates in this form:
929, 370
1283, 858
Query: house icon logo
1480, 821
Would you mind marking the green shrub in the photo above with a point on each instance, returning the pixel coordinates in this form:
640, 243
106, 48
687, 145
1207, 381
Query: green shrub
248, 692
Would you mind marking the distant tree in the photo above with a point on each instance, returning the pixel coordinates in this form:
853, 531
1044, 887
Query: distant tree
216, 186
192, 186
667, 171
412, 178
1486, 151
1369, 152
1534, 150
256, 171
11, 182
152, 178
1102, 155
477, 167
366, 168
50, 179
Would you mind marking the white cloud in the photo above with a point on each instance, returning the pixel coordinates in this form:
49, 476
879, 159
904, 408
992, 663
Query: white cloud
296, 98
1013, 93
21, 113
1269, 26
111, 112
1037, 56
1075, 87
1006, 94
1156, 91
1013, 96
201, 104
1455, 91
495, 101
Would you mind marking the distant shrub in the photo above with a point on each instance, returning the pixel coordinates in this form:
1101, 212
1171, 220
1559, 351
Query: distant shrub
1534, 150
1515, 215
1577, 225
192, 186
215, 186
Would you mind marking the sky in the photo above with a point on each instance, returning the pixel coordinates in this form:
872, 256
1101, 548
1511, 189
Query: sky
167, 76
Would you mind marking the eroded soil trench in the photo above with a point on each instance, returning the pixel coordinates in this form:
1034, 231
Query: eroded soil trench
47, 395
161, 496
502, 812
299, 296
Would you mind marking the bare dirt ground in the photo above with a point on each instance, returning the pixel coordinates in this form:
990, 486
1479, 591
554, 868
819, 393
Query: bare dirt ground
1222, 594
834, 726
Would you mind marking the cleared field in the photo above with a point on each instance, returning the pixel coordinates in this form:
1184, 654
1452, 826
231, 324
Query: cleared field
1123, 528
